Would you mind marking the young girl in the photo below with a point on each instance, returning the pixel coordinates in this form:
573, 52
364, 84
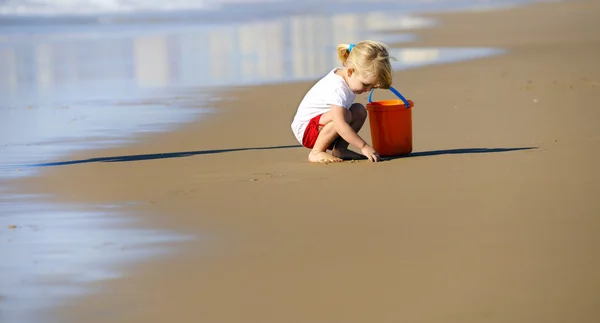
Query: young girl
328, 118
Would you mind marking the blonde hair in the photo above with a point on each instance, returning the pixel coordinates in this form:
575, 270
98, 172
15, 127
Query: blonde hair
368, 57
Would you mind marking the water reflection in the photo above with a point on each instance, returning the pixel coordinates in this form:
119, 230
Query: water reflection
150, 59
283, 49
44, 72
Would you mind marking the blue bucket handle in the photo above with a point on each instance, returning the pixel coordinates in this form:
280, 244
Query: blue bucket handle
406, 104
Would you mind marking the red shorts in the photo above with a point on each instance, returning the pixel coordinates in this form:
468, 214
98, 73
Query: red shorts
312, 132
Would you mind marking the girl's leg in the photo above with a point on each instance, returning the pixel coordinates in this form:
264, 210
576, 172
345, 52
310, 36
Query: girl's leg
355, 116
326, 136
358, 115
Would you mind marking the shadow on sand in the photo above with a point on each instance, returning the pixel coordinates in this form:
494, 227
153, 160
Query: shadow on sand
130, 158
180, 154
457, 152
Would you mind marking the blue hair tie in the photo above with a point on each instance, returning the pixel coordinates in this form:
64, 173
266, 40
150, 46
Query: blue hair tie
350, 48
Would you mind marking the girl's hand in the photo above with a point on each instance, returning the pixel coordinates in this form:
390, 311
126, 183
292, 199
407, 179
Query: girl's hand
370, 153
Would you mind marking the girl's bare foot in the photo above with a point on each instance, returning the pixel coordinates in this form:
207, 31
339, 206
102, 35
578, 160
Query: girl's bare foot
322, 157
345, 153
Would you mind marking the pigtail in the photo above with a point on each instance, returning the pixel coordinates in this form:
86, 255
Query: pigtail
343, 52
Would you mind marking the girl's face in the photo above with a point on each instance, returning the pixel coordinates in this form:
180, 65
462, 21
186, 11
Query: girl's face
360, 83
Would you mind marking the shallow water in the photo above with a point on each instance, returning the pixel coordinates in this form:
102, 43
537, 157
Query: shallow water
50, 251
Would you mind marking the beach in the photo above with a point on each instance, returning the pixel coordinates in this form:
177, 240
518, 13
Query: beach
494, 217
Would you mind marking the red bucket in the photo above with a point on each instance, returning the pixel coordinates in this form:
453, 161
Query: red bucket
391, 125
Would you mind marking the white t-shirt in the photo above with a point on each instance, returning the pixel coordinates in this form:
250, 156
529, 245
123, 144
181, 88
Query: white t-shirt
331, 89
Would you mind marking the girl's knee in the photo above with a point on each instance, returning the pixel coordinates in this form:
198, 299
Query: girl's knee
358, 110
357, 106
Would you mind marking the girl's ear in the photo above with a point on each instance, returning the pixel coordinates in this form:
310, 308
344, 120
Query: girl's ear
350, 71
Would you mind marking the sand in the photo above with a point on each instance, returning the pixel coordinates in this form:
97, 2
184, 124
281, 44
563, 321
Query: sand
494, 218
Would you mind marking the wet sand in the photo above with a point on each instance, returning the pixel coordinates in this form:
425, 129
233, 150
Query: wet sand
494, 218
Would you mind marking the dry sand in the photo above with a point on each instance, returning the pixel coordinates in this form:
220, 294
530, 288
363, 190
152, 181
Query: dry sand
463, 231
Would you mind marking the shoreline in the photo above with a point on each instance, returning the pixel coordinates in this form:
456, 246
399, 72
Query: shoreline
276, 169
